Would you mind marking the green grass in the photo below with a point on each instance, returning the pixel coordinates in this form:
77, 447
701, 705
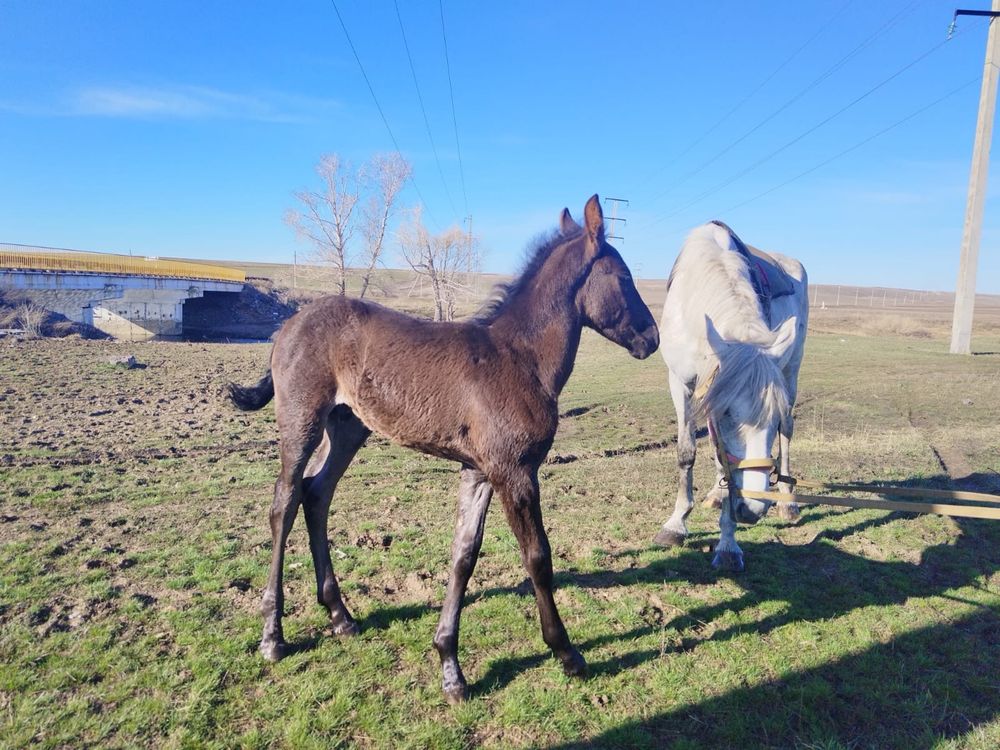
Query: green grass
134, 548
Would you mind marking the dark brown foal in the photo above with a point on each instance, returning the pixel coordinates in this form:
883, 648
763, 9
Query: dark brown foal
483, 393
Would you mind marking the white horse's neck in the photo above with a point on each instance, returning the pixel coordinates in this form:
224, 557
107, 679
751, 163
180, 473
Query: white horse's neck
715, 282
709, 282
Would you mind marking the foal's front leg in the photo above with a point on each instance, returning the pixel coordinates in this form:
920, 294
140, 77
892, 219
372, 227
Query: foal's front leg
473, 502
521, 505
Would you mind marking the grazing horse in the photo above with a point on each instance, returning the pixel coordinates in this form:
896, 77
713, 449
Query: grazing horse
483, 393
734, 327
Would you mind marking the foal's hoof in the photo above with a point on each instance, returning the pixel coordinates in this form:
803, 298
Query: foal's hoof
574, 665
730, 562
669, 538
273, 650
788, 512
456, 694
346, 628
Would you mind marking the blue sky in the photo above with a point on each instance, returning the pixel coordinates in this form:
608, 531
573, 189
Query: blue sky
183, 128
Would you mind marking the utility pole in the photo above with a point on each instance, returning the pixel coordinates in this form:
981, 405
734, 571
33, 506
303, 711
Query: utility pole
615, 217
965, 291
478, 271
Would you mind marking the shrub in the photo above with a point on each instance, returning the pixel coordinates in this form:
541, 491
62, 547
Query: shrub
31, 318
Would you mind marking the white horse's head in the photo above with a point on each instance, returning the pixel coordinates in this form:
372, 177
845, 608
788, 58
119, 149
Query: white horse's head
748, 402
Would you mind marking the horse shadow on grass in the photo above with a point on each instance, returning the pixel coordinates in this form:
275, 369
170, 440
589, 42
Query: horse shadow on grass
928, 685
816, 581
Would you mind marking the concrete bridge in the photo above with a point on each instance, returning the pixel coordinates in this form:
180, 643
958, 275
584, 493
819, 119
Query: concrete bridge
127, 297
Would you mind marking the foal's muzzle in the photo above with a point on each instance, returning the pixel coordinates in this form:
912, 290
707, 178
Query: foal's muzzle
645, 342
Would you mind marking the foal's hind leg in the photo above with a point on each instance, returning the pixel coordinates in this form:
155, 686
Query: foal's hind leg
345, 434
473, 501
674, 531
301, 430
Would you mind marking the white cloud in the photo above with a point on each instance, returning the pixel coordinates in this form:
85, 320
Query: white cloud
179, 102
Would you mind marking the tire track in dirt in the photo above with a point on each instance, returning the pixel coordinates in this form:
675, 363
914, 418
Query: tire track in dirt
951, 460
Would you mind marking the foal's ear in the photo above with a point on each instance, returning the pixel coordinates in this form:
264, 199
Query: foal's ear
593, 219
566, 223
784, 341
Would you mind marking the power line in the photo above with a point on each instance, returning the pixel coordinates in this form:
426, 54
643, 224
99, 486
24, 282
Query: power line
378, 106
423, 109
746, 170
454, 119
856, 146
809, 87
698, 141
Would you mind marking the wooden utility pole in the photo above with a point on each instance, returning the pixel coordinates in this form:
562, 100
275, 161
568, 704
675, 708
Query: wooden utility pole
965, 291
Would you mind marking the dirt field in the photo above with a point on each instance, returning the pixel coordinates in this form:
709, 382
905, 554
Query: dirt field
134, 546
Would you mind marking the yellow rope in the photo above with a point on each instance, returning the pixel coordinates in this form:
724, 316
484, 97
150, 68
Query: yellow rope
959, 511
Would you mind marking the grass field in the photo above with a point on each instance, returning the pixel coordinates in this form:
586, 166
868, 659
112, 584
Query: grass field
134, 547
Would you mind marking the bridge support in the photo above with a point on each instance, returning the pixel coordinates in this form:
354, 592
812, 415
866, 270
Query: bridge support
126, 307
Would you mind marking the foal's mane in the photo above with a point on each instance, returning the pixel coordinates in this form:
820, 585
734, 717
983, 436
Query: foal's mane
537, 254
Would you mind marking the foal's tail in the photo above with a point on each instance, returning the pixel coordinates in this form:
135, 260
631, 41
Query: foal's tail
253, 397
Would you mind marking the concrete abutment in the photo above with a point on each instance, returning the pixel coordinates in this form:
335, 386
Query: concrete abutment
126, 307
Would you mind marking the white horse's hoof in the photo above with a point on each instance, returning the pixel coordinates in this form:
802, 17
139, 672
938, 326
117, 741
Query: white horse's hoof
731, 562
715, 497
669, 538
789, 512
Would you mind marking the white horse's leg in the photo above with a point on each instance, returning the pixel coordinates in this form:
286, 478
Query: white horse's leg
786, 511
728, 555
674, 531
718, 492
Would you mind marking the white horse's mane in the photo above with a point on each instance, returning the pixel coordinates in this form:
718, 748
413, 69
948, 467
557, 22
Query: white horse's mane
718, 277
747, 371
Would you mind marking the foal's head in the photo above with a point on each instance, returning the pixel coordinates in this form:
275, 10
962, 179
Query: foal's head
607, 299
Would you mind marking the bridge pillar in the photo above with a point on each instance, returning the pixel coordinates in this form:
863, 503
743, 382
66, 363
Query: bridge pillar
142, 313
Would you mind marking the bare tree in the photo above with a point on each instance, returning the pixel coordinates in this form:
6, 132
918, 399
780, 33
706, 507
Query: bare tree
327, 219
352, 201
384, 177
447, 261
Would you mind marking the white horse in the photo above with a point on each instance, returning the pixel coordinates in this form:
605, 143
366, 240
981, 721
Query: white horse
732, 333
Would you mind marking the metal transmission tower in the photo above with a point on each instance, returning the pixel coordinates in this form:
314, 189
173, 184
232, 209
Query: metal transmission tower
965, 292
615, 217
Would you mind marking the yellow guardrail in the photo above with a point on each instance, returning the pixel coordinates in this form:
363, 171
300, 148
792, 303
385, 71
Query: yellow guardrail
116, 264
